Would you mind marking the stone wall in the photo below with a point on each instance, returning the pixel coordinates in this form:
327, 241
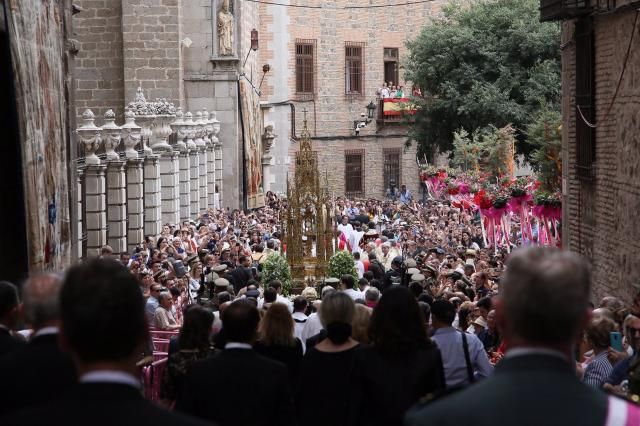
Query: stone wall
99, 72
124, 44
151, 38
600, 219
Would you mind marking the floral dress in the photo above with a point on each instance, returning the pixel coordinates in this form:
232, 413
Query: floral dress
176, 371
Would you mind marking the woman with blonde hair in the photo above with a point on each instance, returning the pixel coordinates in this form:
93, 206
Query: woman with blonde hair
325, 373
360, 324
277, 341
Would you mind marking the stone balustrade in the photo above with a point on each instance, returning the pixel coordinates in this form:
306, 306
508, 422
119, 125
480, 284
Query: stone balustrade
161, 166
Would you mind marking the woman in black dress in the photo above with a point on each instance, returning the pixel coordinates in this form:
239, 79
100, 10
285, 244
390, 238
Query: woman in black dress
277, 340
401, 366
324, 395
195, 344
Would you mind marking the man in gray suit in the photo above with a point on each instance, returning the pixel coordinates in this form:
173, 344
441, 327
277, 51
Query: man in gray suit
542, 313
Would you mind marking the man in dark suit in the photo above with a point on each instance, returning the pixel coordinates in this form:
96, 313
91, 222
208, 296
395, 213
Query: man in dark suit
39, 370
238, 386
104, 328
543, 310
241, 274
9, 314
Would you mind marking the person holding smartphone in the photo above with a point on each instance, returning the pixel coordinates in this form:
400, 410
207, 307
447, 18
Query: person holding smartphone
598, 339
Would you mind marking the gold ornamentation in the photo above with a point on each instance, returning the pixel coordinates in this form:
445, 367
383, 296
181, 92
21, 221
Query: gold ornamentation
308, 219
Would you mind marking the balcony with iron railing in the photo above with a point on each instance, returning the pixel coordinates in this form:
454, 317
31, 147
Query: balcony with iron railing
557, 10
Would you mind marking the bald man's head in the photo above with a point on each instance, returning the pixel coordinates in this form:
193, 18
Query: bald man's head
41, 295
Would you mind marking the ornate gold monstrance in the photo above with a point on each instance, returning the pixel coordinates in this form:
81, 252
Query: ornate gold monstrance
308, 225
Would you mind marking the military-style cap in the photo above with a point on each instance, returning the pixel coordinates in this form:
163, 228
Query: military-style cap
417, 277
413, 271
219, 268
410, 263
332, 280
431, 269
221, 282
212, 276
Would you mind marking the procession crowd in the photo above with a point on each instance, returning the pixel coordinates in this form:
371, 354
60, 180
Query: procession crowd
435, 329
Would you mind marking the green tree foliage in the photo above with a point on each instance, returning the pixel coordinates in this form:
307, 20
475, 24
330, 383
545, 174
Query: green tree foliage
489, 150
342, 263
466, 150
484, 62
545, 136
276, 267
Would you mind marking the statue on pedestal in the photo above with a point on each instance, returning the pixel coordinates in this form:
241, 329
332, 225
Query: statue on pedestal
225, 30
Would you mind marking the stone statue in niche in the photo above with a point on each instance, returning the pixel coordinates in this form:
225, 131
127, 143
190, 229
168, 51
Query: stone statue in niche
225, 30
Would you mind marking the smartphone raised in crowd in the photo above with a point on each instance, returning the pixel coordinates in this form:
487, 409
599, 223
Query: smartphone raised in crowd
615, 340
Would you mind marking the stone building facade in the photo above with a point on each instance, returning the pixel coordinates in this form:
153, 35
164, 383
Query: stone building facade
323, 34
171, 48
601, 143
167, 47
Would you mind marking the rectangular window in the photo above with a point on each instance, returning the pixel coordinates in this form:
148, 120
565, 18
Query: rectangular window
391, 166
390, 53
305, 66
354, 173
585, 99
390, 58
353, 68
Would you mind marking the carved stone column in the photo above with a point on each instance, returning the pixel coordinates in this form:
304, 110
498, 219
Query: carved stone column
194, 165
170, 188
135, 203
218, 159
95, 219
135, 191
181, 129
185, 185
79, 250
116, 206
202, 155
152, 212
211, 159
95, 208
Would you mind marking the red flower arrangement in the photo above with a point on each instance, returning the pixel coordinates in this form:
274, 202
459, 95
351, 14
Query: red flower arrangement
483, 200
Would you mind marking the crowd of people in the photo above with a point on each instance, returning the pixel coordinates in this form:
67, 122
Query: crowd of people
391, 91
435, 329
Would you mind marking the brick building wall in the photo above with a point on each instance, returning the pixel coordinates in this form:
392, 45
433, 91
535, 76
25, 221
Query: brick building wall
331, 163
600, 215
330, 111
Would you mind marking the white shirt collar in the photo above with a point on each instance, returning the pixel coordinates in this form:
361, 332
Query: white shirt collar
46, 330
299, 315
107, 376
237, 345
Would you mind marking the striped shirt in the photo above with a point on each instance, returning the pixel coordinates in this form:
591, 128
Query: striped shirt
598, 370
